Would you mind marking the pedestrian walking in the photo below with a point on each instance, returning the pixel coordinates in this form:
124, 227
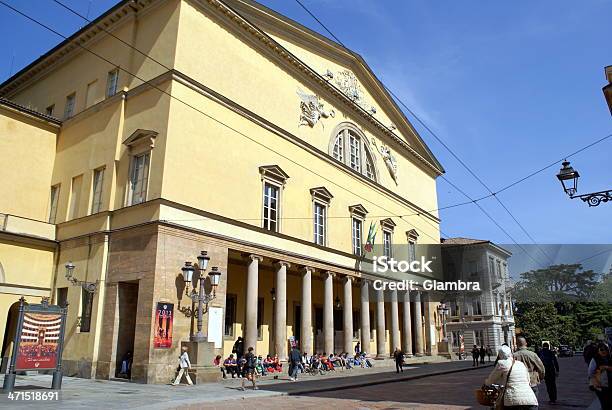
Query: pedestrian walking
532, 361
183, 367
250, 361
589, 352
513, 375
600, 371
551, 369
358, 348
483, 353
489, 353
398, 355
295, 359
475, 356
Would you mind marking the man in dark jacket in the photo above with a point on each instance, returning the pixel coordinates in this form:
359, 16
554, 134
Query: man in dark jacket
551, 368
250, 361
294, 361
398, 355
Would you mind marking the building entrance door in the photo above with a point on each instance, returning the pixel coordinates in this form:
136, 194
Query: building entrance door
128, 306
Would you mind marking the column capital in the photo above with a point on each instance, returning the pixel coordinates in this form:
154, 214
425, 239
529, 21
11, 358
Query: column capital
252, 257
281, 263
348, 278
307, 269
328, 273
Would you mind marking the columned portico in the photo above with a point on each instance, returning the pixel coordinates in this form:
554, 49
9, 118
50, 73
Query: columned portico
328, 313
348, 314
280, 313
250, 339
306, 344
365, 316
380, 324
407, 334
418, 324
395, 331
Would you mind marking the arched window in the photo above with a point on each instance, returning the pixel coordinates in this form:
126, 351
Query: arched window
350, 147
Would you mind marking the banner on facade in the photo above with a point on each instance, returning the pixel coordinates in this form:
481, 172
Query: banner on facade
164, 316
39, 341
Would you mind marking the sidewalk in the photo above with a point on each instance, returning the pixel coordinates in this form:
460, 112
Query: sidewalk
87, 393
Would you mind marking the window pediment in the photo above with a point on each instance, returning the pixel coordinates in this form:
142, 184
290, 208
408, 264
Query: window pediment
358, 211
412, 235
322, 194
388, 224
141, 138
273, 172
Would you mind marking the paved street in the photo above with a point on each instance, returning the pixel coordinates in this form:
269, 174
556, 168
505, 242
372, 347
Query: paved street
427, 388
450, 391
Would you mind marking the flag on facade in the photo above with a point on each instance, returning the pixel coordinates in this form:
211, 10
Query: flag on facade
371, 236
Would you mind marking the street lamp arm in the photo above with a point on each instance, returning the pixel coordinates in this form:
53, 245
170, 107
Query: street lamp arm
595, 198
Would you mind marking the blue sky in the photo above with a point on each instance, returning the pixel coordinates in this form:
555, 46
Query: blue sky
509, 86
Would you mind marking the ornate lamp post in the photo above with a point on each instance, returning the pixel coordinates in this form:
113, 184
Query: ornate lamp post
569, 180
201, 297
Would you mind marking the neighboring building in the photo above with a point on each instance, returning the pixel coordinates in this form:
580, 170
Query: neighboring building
27, 239
485, 317
135, 183
607, 90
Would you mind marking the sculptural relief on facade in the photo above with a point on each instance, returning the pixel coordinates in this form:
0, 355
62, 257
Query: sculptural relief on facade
312, 109
388, 158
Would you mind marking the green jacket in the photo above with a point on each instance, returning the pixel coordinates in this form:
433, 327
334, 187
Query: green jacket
533, 363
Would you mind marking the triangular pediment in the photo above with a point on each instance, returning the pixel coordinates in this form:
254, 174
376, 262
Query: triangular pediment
358, 210
321, 193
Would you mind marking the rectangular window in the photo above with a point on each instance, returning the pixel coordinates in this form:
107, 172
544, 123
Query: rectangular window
456, 339
320, 214
357, 228
96, 200
69, 107
387, 248
498, 270
230, 315
479, 338
49, 110
491, 266
55, 190
90, 95
270, 207
75, 197
111, 82
355, 153
476, 307
260, 316
139, 178
411, 251
86, 308
62, 297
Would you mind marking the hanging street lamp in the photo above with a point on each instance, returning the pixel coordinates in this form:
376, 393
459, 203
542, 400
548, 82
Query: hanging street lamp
568, 177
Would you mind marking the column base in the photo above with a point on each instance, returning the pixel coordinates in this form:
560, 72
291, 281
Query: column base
419, 354
381, 357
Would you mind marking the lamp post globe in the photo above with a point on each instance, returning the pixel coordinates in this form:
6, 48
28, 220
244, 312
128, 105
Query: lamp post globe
69, 269
215, 276
203, 260
568, 177
188, 270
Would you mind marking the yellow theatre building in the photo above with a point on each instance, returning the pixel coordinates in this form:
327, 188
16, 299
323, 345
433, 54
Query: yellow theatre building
169, 127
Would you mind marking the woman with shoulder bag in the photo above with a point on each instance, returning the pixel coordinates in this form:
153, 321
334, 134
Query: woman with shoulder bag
514, 376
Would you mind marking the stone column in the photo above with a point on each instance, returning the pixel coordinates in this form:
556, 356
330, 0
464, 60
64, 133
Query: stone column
250, 322
395, 332
365, 316
328, 313
380, 324
348, 314
280, 311
407, 345
306, 332
418, 324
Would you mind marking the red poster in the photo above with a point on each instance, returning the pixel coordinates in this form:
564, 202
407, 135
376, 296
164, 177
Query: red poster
164, 315
38, 344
